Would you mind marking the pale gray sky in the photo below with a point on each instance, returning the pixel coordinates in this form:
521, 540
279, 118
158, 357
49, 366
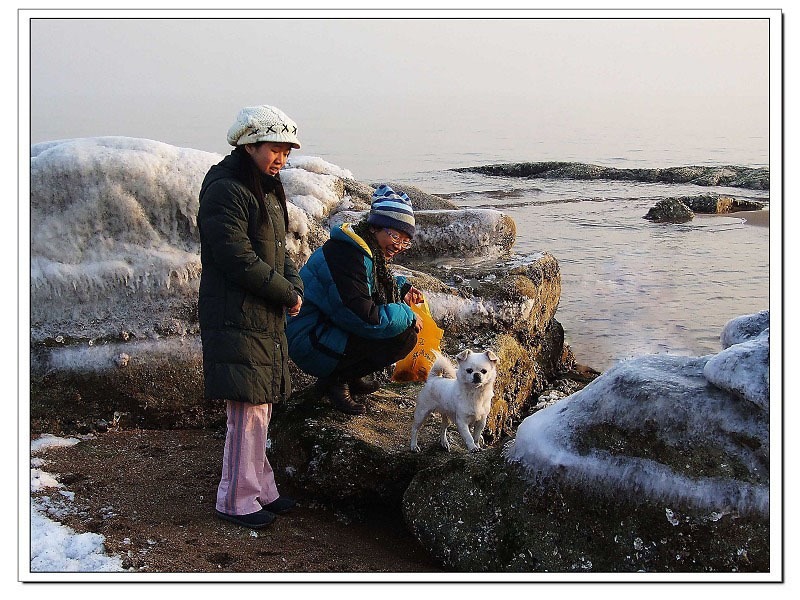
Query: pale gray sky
181, 81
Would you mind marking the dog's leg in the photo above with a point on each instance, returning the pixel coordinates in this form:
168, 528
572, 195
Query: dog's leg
445, 443
419, 419
477, 430
463, 429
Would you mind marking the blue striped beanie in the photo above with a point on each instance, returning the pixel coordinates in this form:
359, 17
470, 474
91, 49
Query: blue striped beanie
393, 210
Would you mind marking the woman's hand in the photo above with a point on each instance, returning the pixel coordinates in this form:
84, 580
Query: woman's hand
417, 324
294, 310
413, 296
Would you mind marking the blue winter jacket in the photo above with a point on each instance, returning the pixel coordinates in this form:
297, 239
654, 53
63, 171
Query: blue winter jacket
338, 301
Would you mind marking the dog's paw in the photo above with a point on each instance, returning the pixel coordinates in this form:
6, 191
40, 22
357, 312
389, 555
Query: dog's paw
415, 448
475, 449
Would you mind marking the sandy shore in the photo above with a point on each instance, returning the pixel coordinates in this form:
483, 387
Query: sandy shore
759, 218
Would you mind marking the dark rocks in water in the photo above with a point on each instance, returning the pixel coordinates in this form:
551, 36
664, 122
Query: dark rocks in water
730, 176
717, 204
669, 210
683, 208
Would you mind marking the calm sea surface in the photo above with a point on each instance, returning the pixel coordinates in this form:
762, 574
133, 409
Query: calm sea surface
629, 287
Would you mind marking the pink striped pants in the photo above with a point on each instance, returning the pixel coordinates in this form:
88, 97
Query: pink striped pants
247, 476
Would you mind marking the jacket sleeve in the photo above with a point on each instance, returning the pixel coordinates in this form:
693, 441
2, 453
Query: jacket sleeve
223, 221
352, 306
291, 274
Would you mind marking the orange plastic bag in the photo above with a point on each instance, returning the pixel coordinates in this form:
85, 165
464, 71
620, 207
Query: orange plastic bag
418, 363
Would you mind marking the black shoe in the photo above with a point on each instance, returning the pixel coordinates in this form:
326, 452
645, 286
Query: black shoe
339, 393
255, 520
281, 506
363, 386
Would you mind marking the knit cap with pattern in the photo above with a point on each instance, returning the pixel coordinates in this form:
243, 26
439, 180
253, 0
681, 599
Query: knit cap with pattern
393, 210
263, 124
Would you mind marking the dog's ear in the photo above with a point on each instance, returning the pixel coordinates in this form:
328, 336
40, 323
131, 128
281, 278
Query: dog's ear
464, 355
491, 356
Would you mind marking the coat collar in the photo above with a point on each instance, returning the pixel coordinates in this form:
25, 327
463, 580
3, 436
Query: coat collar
345, 233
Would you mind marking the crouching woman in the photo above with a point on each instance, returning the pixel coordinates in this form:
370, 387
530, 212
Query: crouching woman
356, 317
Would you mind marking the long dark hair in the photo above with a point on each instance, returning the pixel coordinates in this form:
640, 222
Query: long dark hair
386, 290
261, 184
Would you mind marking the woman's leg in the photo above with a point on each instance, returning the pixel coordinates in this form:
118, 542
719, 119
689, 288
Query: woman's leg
363, 356
247, 477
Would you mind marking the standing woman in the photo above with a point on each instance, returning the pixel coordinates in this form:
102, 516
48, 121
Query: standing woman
247, 287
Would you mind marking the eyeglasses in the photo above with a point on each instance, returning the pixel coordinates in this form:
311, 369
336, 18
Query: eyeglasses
404, 244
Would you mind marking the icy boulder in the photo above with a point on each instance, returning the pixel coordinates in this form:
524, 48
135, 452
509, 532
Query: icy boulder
744, 328
475, 513
650, 467
466, 233
742, 367
743, 370
654, 428
114, 243
114, 239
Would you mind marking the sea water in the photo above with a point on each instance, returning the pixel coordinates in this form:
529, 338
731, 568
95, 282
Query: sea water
629, 286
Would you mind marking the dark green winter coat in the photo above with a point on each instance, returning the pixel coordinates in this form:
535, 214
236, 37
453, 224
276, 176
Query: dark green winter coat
247, 282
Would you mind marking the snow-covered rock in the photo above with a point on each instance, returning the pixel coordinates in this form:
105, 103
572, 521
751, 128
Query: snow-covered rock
485, 233
651, 467
744, 328
114, 239
743, 370
646, 428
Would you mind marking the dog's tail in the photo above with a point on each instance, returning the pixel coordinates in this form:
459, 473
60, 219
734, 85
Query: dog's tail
442, 367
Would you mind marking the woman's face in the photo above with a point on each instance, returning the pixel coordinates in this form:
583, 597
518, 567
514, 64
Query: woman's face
270, 157
392, 242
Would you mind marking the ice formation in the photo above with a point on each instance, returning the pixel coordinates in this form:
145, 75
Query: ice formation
443, 233
668, 401
113, 230
114, 240
476, 312
744, 328
743, 370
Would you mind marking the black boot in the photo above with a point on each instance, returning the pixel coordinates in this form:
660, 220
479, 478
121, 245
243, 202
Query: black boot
363, 386
339, 393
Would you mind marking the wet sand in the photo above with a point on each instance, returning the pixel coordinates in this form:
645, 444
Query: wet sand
759, 218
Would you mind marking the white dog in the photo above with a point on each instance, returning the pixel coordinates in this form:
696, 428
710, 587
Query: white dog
462, 396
